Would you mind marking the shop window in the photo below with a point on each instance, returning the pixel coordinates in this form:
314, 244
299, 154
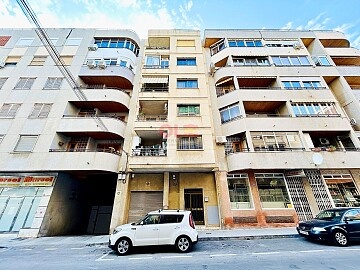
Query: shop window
239, 191
272, 190
342, 190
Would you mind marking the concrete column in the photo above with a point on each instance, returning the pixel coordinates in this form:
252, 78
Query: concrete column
236, 83
121, 205
222, 191
166, 190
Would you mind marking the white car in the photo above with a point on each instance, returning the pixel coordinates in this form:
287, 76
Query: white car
162, 227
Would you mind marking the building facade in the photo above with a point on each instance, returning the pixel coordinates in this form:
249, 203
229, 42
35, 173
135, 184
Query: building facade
242, 127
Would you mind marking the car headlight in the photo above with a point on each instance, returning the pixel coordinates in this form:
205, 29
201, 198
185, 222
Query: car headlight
116, 230
318, 229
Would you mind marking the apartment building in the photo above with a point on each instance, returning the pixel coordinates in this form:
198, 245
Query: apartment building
61, 147
286, 111
242, 127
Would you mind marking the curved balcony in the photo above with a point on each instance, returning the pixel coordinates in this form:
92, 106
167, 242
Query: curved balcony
61, 161
285, 124
105, 99
105, 128
291, 160
111, 76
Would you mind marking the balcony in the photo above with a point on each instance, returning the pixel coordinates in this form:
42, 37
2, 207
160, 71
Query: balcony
56, 160
98, 127
111, 76
291, 160
344, 56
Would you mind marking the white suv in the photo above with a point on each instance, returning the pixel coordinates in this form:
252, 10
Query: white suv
162, 227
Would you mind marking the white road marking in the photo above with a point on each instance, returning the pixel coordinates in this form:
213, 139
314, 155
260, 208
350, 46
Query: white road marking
178, 256
26, 249
103, 256
222, 255
141, 258
314, 250
50, 249
265, 253
77, 248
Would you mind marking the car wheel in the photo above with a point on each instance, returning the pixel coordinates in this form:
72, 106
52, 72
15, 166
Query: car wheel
340, 238
123, 246
183, 244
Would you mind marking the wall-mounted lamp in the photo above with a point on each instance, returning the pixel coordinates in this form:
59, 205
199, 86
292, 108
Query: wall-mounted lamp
60, 143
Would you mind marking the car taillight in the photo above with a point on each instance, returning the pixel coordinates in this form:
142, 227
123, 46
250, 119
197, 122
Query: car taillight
191, 222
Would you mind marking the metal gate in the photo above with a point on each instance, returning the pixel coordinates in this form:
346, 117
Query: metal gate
194, 203
298, 197
142, 202
319, 189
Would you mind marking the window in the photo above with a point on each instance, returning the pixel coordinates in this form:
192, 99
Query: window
239, 194
53, 83
40, 110
276, 141
312, 85
321, 61
26, 143
189, 142
291, 60
118, 43
111, 61
1, 137
187, 83
123, 63
157, 61
186, 61
23, 42
25, 83
315, 109
8, 110
12, 60
73, 41
165, 219
186, 43
300, 85
2, 82
38, 61
229, 113
292, 85
188, 110
244, 43
217, 47
67, 59
250, 61
272, 190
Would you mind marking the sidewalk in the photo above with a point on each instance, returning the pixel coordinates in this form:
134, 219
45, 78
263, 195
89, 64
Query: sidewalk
11, 240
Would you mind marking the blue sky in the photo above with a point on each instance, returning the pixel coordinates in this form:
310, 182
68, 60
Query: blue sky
141, 15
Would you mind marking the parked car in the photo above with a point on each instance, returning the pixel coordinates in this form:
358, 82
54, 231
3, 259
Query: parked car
338, 225
162, 227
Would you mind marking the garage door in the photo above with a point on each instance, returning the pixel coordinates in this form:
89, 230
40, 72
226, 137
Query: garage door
142, 202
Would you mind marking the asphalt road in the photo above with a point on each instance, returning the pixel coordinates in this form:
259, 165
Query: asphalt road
287, 253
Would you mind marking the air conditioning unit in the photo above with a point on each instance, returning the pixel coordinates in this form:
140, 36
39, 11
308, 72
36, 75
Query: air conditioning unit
324, 141
91, 63
102, 64
353, 121
220, 139
92, 47
297, 46
212, 69
2, 64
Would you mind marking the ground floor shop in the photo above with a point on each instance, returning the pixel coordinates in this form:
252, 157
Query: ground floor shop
33, 204
255, 198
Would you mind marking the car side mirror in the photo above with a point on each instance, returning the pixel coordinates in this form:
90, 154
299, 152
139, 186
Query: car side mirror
348, 219
141, 222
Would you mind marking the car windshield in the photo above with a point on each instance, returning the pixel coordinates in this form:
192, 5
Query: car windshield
331, 215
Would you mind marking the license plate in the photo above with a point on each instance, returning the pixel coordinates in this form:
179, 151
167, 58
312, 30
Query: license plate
303, 232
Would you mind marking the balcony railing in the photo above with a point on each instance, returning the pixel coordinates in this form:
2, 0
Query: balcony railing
112, 151
319, 115
267, 115
103, 115
156, 66
147, 117
101, 86
149, 151
155, 89
220, 91
335, 149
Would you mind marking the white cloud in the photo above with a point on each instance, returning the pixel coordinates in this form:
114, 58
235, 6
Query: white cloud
287, 26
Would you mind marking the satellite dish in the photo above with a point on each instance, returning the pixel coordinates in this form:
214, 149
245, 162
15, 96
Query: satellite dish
317, 158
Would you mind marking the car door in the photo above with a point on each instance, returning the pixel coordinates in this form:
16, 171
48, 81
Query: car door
169, 228
147, 232
352, 219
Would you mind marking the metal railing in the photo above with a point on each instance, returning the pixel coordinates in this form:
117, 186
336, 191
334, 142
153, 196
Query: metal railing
95, 117
156, 66
112, 151
155, 89
149, 117
102, 86
149, 151
260, 115
220, 91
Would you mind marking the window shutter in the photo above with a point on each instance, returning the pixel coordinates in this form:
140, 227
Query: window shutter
13, 110
57, 83
45, 110
29, 82
26, 144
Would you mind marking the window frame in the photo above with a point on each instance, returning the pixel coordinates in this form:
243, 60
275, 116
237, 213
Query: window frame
23, 137
187, 142
25, 83
187, 84
40, 110
229, 109
196, 109
186, 61
11, 111
55, 85
3, 81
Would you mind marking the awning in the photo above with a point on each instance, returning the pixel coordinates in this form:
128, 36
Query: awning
155, 79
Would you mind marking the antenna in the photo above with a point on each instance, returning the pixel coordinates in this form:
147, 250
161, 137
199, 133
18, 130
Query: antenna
55, 55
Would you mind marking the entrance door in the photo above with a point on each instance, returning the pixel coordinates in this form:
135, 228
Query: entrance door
194, 203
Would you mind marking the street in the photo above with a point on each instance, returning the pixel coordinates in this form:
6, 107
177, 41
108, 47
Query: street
282, 253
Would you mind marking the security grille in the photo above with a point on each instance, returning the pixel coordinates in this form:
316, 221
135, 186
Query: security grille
298, 197
319, 189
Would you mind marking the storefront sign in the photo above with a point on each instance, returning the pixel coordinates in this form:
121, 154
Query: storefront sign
27, 181
10, 181
38, 181
295, 173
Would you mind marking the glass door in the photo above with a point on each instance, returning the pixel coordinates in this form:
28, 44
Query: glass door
10, 213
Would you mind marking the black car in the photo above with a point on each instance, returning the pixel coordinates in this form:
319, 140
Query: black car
338, 225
